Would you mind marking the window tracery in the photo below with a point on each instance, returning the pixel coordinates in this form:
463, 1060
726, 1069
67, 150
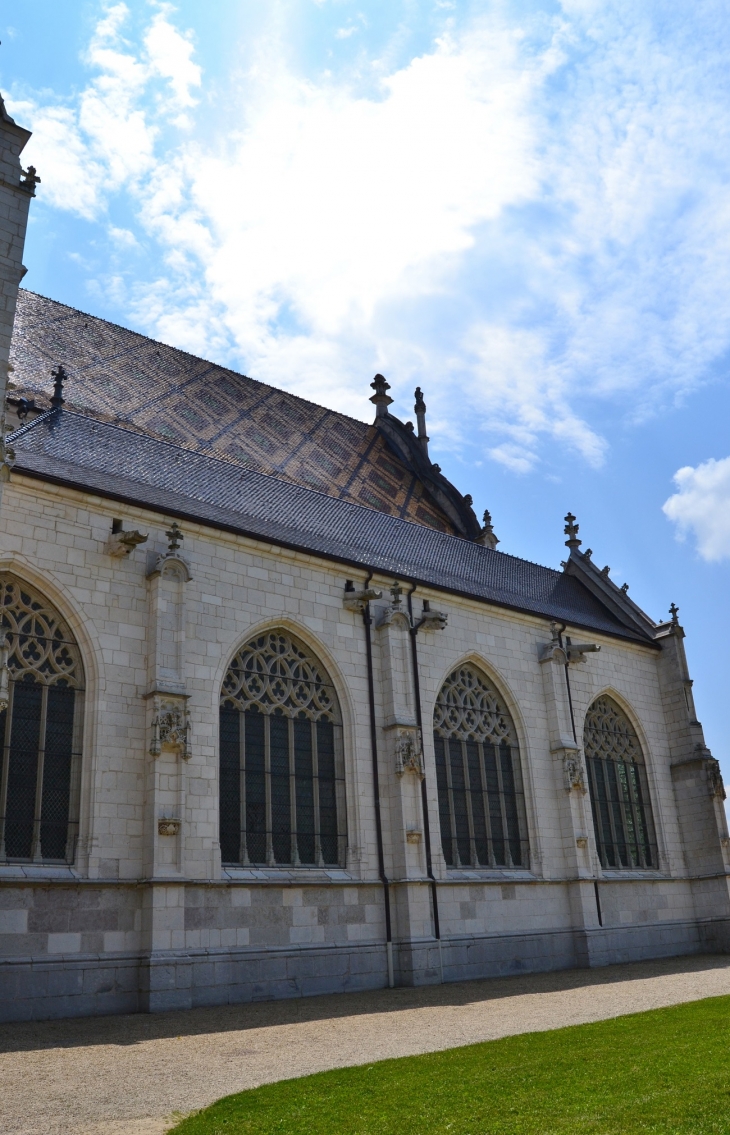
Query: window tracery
478, 774
41, 728
620, 801
281, 765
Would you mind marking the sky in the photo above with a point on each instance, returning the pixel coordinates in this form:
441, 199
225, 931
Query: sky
522, 207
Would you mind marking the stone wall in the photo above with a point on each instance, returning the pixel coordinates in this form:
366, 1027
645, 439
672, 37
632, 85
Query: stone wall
144, 920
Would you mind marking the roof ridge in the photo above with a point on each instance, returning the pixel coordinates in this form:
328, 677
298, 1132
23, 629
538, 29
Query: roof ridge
198, 358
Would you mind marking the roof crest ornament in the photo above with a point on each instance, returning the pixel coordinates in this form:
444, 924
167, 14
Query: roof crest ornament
487, 537
674, 612
380, 399
420, 411
59, 376
571, 531
174, 536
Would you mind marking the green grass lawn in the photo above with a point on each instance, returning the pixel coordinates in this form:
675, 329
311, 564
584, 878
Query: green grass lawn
667, 1070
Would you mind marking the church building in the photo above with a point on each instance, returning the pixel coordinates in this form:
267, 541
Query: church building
279, 718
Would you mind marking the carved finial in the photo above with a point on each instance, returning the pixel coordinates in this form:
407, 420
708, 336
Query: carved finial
605, 570
59, 376
674, 611
487, 537
571, 531
380, 399
624, 587
30, 179
420, 411
174, 535
396, 591
588, 553
468, 500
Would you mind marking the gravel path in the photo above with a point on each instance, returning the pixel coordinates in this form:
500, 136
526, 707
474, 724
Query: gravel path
131, 1075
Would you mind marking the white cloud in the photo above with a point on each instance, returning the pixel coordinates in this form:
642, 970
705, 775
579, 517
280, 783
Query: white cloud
701, 506
534, 209
106, 141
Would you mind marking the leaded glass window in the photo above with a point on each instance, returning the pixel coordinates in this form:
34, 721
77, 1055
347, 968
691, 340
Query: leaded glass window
282, 790
619, 792
41, 729
478, 775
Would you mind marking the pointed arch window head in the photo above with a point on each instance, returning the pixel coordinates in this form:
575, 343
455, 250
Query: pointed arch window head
282, 799
41, 728
478, 774
620, 801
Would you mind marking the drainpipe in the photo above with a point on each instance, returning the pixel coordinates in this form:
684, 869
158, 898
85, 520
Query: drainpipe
367, 621
414, 629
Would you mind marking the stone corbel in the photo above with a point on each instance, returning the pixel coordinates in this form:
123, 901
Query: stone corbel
573, 769
576, 651
121, 543
432, 620
170, 725
408, 752
168, 826
715, 782
356, 600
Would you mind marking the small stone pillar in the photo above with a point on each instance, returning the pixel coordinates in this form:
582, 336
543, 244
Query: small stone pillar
166, 985
579, 845
698, 789
401, 785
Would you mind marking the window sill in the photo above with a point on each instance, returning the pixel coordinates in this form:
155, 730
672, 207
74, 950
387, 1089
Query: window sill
288, 875
38, 871
627, 874
488, 874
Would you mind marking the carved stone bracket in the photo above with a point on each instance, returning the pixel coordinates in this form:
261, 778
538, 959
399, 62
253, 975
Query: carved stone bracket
573, 769
408, 753
715, 782
170, 726
357, 600
121, 543
168, 826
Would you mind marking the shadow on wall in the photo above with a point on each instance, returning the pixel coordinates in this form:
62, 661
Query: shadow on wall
138, 1028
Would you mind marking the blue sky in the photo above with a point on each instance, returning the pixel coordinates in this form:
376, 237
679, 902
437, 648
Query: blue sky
521, 207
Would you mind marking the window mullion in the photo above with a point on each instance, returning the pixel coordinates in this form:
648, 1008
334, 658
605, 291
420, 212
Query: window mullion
469, 810
318, 857
609, 764
267, 789
293, 796
487, 813
243, 827
5, 768
35, 847
498, 750
452, 810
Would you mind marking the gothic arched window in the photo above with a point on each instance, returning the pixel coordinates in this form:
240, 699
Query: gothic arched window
282, 798
481, 799
619, 792
41, 728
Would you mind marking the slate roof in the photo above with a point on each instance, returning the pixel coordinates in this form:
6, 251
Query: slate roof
74, 449
120, 376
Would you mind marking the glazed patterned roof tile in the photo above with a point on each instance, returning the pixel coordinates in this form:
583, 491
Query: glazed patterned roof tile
112, 461
119, 376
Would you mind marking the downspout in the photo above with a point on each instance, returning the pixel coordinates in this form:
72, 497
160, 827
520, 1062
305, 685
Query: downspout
414, 629
575, 738
367, 621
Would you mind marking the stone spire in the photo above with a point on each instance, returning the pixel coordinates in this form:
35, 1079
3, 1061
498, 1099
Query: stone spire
380, 399
420, 411
487, 537
571, 531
